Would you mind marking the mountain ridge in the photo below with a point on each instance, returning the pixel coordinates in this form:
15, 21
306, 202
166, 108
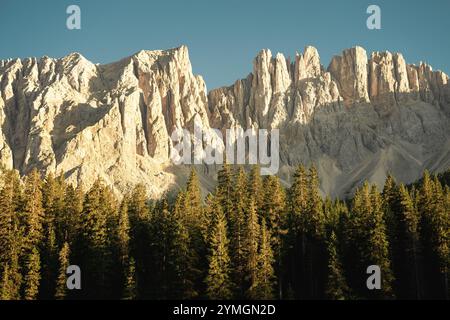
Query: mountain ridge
357, 119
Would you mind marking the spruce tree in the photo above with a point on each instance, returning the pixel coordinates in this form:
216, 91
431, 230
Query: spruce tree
97, 256
378, 248
61, 281
170, 256
139, 216
441, 237
337, 288
10, 229
251, 240
32, 210
294, 248
236, 232
407, 276
123, 234
11, 281
218, 280
434, 237
33, 276
69, 222
367, 243
193, 218
5, 284
225, 189
255, 187
266, 280
53, 204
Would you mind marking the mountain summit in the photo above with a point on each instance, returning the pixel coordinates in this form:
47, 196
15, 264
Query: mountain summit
360, 118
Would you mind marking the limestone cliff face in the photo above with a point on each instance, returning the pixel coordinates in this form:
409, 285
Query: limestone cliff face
112, 121
356, 119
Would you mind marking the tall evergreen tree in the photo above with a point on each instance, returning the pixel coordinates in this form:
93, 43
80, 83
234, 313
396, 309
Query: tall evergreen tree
61, 281
68, 224
264, 287
255, 187
11, 281
140, 217
170, 259
237, 232
97, 255
10, 229
192, 218
225, 189
33, 276
295, 239
218, 280
251, 240
337, 288
434, 237
32, 210
378, 247
367, 242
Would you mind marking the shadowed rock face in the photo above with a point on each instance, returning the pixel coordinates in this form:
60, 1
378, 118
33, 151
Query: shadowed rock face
358, 119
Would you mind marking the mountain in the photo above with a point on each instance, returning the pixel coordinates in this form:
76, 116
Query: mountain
358, 119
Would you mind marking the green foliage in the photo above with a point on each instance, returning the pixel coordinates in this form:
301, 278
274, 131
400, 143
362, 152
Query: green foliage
33, 276
61, 282
218, 279
250, 238
337, 288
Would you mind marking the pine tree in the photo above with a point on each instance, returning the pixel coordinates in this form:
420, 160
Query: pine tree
434, 237
5, 284
32, 210
314, 222
236, 232
33, 277
140, 215
378, 250
192, 219
408, 252
218, 279
10, 230
53, 204
441, 237
123, 235
298, 200
61, 282
367, 244
170, 255
274, 212
11, 281
255, 187
225, 189
251, 240
97, 255
69, 222
337, 288
294, 248
265, 273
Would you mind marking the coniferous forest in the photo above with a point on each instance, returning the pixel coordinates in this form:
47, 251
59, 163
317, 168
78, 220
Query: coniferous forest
250, 239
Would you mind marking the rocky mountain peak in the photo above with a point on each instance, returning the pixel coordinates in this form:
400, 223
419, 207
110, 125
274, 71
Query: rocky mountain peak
357, 119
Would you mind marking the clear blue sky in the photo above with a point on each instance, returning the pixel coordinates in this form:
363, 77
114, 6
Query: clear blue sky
224, 36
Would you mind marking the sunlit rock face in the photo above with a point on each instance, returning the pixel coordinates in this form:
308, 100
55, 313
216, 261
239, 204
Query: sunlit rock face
357, 119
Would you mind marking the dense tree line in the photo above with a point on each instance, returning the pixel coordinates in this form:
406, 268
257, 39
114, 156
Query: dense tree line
250, 239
